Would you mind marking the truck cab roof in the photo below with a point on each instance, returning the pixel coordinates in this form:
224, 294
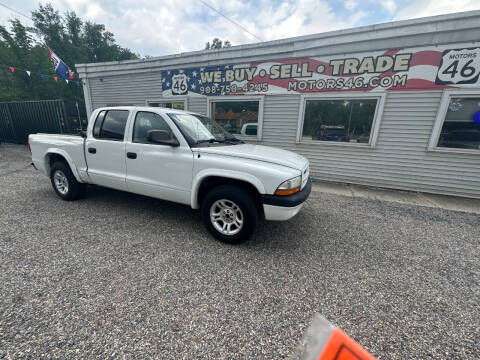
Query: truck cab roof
146, 108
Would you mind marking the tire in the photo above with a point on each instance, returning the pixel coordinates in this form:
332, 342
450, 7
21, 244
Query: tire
64, 182
235, 211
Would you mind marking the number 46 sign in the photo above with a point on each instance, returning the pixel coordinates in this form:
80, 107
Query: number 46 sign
459, 66
179, 84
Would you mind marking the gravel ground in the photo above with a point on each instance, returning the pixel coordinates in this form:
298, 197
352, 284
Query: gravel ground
117, 275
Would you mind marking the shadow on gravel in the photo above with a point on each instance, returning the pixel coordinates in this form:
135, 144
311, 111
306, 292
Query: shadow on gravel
133, 202
270, 234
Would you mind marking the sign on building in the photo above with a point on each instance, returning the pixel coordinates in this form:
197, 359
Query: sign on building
435, 67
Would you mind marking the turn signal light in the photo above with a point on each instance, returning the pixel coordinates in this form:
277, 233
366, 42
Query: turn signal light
282, 192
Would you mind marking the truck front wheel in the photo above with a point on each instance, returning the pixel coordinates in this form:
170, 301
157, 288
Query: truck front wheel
230, 213
64, 182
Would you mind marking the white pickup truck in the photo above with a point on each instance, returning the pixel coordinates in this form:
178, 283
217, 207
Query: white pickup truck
177, 156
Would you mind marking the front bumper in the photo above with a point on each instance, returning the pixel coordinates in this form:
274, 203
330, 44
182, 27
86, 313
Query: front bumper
281, 208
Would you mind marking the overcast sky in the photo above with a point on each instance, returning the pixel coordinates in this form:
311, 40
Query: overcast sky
161, 27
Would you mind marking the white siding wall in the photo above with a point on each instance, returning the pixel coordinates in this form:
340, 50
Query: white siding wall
197, 104
400, 159
130, 89
134, 89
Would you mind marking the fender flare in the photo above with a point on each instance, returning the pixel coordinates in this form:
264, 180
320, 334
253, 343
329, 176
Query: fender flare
235, 175
65, 155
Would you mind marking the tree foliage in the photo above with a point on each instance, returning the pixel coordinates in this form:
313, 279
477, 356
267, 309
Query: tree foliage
217, 44
74, 40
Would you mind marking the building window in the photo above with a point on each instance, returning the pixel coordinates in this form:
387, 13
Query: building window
237, 117
169, 105
457, 126
339, 120
461, 127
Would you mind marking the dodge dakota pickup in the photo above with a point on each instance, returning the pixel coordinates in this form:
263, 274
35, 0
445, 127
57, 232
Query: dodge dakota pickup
177, 156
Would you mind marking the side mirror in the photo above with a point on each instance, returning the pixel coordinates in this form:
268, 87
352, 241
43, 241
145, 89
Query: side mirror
162, 137
83, 133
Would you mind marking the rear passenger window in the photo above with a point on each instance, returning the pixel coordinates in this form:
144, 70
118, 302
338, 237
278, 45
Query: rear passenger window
113, 125
145, 121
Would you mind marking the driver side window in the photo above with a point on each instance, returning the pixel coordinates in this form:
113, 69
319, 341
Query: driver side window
145, 121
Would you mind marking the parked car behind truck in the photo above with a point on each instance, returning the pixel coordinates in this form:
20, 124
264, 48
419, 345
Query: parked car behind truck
177, 156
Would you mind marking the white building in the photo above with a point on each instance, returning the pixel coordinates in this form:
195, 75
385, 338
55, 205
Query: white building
394, 105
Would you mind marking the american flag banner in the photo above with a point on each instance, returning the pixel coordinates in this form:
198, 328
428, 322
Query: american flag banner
60, 67
435, 67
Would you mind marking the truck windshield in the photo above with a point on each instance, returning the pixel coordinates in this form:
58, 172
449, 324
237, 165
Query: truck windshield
201, 129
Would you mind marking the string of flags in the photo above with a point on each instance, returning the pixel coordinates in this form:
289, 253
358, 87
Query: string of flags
42, 76
14, 69
62, 70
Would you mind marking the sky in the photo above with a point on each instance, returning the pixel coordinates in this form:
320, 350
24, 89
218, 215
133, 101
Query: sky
163, 27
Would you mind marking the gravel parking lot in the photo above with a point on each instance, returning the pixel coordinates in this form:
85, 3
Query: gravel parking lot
117, 275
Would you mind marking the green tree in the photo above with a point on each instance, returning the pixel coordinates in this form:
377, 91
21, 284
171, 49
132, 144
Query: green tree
72, 39
217, 44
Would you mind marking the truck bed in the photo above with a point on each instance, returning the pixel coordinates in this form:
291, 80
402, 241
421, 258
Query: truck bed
71, 147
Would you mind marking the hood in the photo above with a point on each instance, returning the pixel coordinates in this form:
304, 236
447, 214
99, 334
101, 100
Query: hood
260, 153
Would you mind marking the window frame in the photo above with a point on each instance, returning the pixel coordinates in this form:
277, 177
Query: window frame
377, 117
232, 98
103, 121
97, 119
169, 99
440, 119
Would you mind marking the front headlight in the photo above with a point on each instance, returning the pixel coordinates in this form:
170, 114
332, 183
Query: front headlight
289, 187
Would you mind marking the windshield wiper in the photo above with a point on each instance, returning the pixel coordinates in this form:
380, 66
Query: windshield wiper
211, 141
234, 140
231, 140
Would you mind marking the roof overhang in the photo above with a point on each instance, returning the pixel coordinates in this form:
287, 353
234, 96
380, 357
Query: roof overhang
435, 30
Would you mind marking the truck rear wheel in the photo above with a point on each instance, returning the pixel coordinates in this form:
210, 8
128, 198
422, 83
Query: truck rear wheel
230, 214
64, 182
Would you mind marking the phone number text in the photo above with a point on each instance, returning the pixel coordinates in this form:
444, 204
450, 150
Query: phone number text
232, 88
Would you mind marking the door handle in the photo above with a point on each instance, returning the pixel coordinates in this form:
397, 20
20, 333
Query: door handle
131, 155
92, 150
